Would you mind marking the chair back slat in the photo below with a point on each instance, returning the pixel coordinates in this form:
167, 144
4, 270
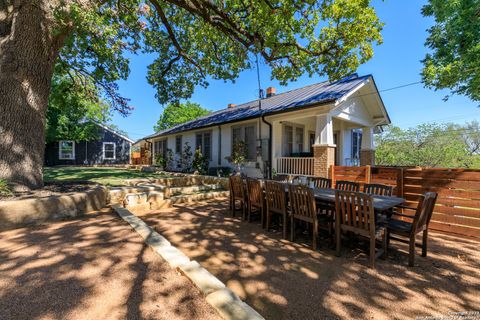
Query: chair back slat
321, 183
347, 186
378, 189
275, 196
355, 212
424, 211
236, 187
255, 192
302, 202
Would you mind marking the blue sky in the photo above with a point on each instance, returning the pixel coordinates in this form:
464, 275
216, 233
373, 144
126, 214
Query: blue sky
396, 62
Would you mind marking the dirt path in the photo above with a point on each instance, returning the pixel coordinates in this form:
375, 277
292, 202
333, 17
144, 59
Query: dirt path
91, 268
284, 280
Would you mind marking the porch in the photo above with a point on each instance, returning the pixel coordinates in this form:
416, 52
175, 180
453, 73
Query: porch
309, 145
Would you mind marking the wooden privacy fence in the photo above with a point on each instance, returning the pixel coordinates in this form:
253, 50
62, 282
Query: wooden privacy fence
458, 205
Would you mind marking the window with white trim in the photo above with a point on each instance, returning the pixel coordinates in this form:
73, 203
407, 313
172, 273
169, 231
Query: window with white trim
109, 150
178, 144
203, 141
246, 134
356, 143
293, 139
66, 150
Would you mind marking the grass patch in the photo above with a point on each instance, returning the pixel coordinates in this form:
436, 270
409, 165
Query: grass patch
103, 175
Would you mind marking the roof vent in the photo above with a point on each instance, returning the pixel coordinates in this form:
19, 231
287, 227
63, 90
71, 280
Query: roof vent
271, 91
231, 105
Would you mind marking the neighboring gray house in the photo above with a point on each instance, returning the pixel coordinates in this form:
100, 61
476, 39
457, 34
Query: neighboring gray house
111, 147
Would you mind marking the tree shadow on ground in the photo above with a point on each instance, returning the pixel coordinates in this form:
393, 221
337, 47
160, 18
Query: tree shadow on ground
285, 280
93, 267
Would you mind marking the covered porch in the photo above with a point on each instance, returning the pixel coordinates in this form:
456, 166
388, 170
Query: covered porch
309, 142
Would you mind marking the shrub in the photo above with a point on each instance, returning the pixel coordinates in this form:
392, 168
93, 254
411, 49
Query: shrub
200, 162
186, 159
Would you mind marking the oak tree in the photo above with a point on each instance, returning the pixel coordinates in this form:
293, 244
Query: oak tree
193, 40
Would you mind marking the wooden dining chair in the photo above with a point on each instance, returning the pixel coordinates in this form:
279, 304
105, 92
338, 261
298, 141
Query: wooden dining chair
378, 189
237, 194
256, 200
321, 183
355, 213
419, 222
343, 185
276, 204
304, 209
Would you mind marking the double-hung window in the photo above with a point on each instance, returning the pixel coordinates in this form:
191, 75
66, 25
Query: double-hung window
66, 150
246, 134
293, 139
203, 141
109, 151
178, 144
160, 148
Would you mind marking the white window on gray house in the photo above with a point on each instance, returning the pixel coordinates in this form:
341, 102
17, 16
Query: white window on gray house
66, 150
203, 141
178, 144
356, 143
248, 135
109, 151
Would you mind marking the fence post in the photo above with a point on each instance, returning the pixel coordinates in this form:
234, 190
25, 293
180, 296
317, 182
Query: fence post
368, 173
332, 174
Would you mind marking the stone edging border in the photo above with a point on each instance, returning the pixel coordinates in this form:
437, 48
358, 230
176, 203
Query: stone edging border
222, 299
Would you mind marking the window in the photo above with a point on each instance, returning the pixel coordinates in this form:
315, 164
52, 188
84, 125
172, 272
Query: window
293, 140
248, 136
299, 139
178, 144
160, 148
109, 151
203, 141
66, 150
356, 143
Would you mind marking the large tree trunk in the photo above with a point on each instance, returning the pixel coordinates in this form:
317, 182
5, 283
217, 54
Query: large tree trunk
27, 56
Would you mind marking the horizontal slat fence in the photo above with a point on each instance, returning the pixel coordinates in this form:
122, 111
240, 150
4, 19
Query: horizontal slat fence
346, 173
458, 206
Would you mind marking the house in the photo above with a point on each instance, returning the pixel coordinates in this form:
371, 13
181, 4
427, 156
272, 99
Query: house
302, 131
111, 147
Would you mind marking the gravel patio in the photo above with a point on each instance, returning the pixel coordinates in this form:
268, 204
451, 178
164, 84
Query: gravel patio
285, 280
95, 267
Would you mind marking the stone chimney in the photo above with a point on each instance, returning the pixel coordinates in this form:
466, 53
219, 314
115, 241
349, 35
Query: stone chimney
271, 91
231, 105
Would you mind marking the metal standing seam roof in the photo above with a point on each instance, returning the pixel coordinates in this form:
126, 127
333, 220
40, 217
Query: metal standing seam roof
313, 94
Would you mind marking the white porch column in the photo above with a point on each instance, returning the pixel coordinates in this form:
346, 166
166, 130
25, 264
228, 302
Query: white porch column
323, 149
324, 130
367, 150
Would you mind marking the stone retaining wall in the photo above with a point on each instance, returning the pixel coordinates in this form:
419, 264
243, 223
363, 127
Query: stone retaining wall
17, 213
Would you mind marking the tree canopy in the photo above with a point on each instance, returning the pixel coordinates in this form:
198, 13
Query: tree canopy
198, 40
177, 113
454, 40
430, 145
73, 109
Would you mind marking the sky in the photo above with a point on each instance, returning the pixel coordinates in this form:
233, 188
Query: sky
395, 63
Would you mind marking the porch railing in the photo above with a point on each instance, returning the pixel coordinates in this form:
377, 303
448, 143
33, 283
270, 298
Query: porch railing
295, 165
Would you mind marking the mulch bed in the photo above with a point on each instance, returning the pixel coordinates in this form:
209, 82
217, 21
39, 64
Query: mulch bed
51, 189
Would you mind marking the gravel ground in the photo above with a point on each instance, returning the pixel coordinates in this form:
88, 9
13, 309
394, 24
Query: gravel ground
284, 280
96, 267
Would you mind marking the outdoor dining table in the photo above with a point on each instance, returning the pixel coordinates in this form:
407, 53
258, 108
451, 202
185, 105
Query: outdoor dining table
381, 204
